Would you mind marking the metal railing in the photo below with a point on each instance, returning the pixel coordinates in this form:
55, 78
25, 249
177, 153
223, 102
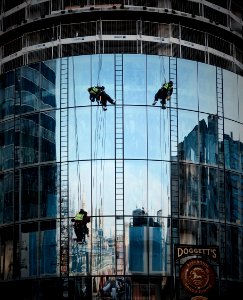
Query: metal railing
119, 36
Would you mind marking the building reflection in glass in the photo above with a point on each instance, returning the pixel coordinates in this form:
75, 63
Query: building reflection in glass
209, 165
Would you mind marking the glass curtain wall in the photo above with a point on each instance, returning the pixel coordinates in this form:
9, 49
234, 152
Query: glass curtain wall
31, 128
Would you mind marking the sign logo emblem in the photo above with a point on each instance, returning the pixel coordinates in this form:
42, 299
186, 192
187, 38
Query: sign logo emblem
197, 276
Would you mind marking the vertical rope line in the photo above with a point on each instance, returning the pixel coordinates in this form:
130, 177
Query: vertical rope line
102, 185
162, 69
76, 135
161, 158
95, 179
99, 68
98, 130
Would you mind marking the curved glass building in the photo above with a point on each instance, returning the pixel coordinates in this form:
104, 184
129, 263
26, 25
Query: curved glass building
163, 187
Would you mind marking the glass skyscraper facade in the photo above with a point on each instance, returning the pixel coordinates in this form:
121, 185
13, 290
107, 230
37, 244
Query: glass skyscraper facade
163, 188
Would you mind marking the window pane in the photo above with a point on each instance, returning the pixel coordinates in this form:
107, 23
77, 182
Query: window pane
209, 234
103, 73
158, 133
234, 262
30, 139
29, 193
81, 182
232, 144
29, 249
6, 198
189, 194
30, 87
208, 139
80, 133
189, 233
103, 246
135, 133
103, 133
48, 84
7, 253
103, 187
233, 200
230, 95
48, 122
7, 94
48, 251
7, 139
241, 147
157, 74
153, 237
79, 78
48, 191
240, 96
188, 136
209, 193
159, 188
135, 185
135, 79
187, 84
207, 88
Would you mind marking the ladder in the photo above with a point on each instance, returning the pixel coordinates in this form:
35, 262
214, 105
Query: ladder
174, 185
220, 113
221, 164
119, 167
64, 180
174, 151
220, 123
174, 165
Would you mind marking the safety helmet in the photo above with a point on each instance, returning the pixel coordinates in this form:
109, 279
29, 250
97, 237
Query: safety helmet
89, 89
171, 82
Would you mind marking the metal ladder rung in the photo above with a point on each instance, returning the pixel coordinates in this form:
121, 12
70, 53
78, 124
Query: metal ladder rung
64, 179
119, 168
174, 145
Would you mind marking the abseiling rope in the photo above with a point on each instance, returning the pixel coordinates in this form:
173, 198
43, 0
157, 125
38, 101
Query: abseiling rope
76, 137
100, 137
162, 70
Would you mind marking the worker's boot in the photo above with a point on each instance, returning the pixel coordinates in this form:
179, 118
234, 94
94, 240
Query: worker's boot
163, 104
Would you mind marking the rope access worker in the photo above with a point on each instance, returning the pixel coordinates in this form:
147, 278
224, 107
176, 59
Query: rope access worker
164, 93
98, 93
80, 225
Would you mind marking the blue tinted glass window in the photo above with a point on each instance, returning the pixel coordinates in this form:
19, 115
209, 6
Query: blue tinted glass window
29, 193
188, 136
187, 84
209, 193
230, 95
232, 144
233, 198
207, 88
135, 79
135, 132
208, 138
189, 195
48, 191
